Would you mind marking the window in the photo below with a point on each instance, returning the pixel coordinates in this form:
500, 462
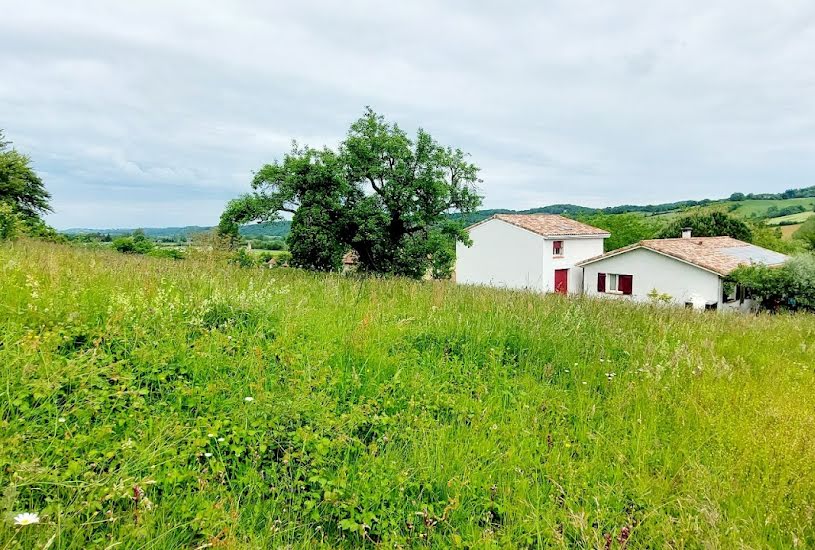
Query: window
612, 282
557, 248
615, 283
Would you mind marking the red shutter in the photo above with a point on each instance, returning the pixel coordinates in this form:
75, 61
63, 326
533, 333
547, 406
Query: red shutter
626, 284
601, 282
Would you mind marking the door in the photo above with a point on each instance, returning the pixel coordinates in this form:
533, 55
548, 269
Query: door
561, 281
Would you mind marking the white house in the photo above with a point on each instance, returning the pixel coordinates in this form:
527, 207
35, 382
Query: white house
690, 270
531, 251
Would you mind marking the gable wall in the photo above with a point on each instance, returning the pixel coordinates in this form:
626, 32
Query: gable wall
501, 255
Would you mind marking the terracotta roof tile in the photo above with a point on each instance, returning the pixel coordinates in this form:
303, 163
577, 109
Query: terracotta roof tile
721, 255
551, 225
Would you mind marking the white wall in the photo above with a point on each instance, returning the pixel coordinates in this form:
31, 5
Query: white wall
683, 282
575, 250
501, 255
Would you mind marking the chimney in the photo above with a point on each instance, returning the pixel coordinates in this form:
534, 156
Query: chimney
686, 232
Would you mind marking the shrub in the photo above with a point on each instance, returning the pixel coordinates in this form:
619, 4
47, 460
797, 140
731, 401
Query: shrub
791, 286
171, 253
137, 243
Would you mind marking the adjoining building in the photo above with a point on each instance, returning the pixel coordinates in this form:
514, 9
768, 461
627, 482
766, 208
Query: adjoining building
690, 271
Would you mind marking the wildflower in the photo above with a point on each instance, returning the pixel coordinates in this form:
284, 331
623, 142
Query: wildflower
584, 382
248, 399
26, 518
220, 440
207, 455
210, 435
61, 420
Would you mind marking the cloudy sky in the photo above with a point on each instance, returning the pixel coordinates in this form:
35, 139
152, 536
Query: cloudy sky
155, 113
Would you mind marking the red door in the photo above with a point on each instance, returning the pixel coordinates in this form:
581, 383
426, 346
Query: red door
562, 281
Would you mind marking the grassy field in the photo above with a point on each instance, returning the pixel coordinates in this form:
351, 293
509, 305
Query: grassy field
157, 404
798, 218
787, 231
741, 209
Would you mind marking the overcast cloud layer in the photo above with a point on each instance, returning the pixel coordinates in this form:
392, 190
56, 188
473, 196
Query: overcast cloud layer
156, 113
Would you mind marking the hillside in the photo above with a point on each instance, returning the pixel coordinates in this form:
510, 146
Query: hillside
158, 404
271, 229
747, 208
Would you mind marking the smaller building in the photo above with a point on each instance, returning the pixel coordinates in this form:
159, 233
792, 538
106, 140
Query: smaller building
528, 251
690, 271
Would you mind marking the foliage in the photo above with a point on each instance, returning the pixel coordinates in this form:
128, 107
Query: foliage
387, 413
806, 233
658, 297
770, 237
791, 286
268, 244
20, 186
625, 229
136, 243
709, 224
9, 222
775, 212
383, 195
169, 253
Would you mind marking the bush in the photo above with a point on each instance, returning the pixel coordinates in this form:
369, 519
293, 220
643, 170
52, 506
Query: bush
137, 243
171, 253
790, 287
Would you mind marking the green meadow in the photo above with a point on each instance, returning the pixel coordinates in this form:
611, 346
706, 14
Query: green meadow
152, 403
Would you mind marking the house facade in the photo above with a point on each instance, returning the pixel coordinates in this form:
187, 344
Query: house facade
528, 251
689, 271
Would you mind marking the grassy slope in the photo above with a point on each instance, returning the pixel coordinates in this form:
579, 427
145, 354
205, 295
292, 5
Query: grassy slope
745, 209
799, 218
433, 414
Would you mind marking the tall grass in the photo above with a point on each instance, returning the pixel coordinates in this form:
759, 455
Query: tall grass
388, 412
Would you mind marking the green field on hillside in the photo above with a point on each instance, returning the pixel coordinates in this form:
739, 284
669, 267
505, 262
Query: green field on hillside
742, 209
151, 403
800, 217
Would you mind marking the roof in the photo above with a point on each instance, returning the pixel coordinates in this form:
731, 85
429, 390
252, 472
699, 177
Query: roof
720, 255
548, 225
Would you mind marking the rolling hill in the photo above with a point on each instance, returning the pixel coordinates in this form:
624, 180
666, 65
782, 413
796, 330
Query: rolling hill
754, 207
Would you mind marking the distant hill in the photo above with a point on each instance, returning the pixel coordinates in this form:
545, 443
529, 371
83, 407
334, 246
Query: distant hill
749, 205
270, 229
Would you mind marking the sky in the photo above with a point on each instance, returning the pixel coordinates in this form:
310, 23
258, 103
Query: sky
155, 113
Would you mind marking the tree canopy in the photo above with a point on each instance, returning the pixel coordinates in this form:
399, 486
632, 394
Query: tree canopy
20, 187
381, 194
709, 224
625, 229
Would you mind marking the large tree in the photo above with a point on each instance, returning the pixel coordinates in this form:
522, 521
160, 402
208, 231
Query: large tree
711, 224
381, 194
21, 189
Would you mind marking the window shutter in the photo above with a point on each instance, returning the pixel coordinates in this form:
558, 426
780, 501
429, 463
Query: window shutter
626, 284
601, 282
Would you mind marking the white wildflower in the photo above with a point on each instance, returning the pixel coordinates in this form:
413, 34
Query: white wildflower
248, 399
207, 455
26, 519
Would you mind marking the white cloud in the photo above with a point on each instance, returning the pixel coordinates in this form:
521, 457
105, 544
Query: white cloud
156, 113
